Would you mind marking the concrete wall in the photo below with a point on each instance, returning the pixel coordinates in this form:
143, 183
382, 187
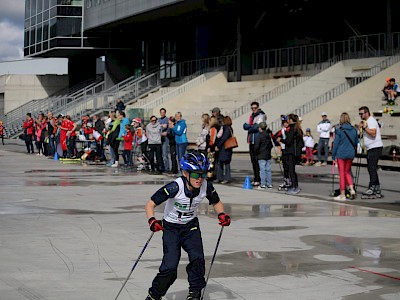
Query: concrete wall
20, 89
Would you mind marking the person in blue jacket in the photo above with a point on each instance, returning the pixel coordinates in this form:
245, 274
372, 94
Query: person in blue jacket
343, 153
179, 130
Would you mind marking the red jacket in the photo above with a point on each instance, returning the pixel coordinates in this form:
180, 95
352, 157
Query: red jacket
128, 138
28, 125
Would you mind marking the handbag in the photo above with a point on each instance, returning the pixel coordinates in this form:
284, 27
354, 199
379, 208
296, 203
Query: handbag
231, 142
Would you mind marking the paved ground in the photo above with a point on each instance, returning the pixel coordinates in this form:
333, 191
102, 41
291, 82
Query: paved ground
73, 231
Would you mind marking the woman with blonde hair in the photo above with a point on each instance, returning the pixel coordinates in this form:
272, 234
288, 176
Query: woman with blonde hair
201, 140
343, 153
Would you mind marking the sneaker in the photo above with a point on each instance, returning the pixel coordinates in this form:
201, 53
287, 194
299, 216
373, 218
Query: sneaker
293, 191
151, 297
353, 194
224, 181
323, 164
340, 198
255, 183
318, 164
269, 186
194, 295
114, 165
261, 187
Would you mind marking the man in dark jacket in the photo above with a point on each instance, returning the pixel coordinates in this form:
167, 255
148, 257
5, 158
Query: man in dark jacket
257, 116
99, 126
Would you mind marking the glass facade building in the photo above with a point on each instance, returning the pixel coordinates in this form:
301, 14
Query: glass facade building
52, 24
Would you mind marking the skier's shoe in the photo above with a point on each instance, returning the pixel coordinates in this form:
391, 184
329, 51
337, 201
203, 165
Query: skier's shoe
151, 297
193, 295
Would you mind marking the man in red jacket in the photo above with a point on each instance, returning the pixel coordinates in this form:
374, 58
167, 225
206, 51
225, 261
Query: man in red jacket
29, 132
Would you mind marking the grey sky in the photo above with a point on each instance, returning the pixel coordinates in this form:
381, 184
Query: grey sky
11, 29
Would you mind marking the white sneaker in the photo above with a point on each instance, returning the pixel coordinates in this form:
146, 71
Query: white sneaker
318, 164
340, 198
114, 165
323, 164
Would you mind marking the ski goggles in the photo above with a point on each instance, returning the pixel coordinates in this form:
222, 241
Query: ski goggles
198, 175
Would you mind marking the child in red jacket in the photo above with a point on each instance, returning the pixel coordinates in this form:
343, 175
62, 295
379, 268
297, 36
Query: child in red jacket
127, 153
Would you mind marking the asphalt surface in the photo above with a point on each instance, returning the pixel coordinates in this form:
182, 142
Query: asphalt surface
75, 231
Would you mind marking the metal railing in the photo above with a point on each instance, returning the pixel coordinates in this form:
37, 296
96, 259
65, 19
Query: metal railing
338, 90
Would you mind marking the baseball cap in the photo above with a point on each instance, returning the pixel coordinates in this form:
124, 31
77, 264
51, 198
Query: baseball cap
300, 119
308, 130
323, 114
137, 120
216, 110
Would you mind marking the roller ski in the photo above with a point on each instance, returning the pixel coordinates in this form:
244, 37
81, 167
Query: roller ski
373, 192
285, 186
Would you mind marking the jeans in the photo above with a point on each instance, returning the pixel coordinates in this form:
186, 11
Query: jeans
112, 154
127, 156
164, 148
265, 172
52, 145
223, 171
29, 142
180, 151
323, 143
372, 162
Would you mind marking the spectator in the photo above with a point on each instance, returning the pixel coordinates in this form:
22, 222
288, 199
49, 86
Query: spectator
72, 150
216, 112
343, 152
99, 126
29, 132
120, 106
279, 136
153, 130
2, 132
385, 88
225, 155
164, 121
324, 128
262, 148
63, 127
179, 130
392, 91
140, 138
309, 144
123, 121
127, 152
52, 128
293, 144
113, 144
374, 146
172, 146
201, 140
257, 116
211, 141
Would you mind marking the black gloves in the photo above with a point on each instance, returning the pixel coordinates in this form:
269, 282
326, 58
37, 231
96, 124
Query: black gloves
224, 219
155, 225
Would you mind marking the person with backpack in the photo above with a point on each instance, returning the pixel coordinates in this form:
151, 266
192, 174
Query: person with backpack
294, 144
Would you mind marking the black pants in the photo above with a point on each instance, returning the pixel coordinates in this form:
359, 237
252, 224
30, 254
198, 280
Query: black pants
174, 160
155, 151
291, 162
175, 237
254, 162
29, 142
372, 162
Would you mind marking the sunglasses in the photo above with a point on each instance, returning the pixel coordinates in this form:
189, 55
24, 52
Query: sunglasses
361, 114
153, 120
198, 175
254, 107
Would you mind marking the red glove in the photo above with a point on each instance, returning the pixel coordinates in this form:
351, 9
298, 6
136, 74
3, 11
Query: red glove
155, 225
224, 219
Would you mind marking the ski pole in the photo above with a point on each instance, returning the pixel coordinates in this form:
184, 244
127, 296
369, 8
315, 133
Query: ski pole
212, 261
136, 262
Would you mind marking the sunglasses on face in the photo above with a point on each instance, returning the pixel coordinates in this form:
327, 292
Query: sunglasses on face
153, 120
254, 107
198, 175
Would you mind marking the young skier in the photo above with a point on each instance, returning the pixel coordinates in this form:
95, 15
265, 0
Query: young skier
180, 224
